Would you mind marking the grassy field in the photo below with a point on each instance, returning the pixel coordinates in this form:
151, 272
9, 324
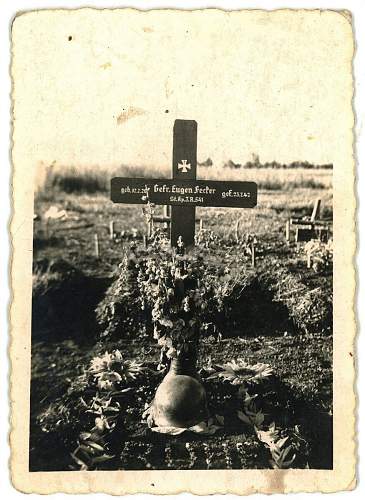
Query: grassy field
283, 319
96, 179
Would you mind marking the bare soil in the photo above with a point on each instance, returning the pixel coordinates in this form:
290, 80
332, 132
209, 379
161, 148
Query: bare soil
65, 337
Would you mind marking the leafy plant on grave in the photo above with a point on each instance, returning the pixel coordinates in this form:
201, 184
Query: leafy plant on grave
281, 453
282, 456
87, 414
186, 295
309, 308
321, 254
92, 449
125, 311
206, 238
119, 314
242, 374
111, 371
183, 294
169, 286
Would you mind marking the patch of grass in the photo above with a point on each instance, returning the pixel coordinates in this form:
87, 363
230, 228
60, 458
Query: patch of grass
273, 179
48, 276
277, 185
72, 182
88, 180
96, 179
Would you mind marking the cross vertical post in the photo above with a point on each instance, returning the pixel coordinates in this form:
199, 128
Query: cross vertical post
184, 159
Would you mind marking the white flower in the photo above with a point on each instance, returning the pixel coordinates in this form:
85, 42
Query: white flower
101, 424
111, 369
239, 372
107, 380
101, 363
133, 368
269, 437
117, 356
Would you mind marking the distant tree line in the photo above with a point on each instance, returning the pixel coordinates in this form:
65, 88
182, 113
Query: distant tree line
255, 163
275, 164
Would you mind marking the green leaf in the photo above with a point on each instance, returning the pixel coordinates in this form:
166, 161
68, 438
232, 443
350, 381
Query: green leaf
78, 461
94, 445
89, 450
220, 419
244, 417
102, 458
289, 462
281, 442
85, 435
285, 452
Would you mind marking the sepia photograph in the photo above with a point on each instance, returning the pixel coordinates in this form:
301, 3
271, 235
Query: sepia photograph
183, 337
184, 172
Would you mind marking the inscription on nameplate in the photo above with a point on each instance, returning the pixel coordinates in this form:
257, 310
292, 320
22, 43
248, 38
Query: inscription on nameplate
234, 194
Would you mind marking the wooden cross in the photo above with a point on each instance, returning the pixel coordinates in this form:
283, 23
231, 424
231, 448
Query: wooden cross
183, 192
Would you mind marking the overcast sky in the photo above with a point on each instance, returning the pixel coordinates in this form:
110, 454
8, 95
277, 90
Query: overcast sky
105, 88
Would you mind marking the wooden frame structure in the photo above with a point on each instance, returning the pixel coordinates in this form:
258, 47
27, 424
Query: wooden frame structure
309, 228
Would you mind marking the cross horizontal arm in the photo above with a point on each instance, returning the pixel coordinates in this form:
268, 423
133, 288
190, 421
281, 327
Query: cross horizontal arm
204, 193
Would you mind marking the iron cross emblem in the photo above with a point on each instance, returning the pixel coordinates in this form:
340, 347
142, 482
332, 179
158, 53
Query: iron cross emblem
184, 166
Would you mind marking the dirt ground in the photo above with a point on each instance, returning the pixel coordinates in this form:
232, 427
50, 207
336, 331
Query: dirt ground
299, 395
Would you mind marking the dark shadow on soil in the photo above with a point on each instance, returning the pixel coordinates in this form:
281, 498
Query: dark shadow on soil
63, 305
40, 243
289, 407
253, 312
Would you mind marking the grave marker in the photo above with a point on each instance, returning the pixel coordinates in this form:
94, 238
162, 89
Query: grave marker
309, 228
96, 243
184, 155
183, 192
